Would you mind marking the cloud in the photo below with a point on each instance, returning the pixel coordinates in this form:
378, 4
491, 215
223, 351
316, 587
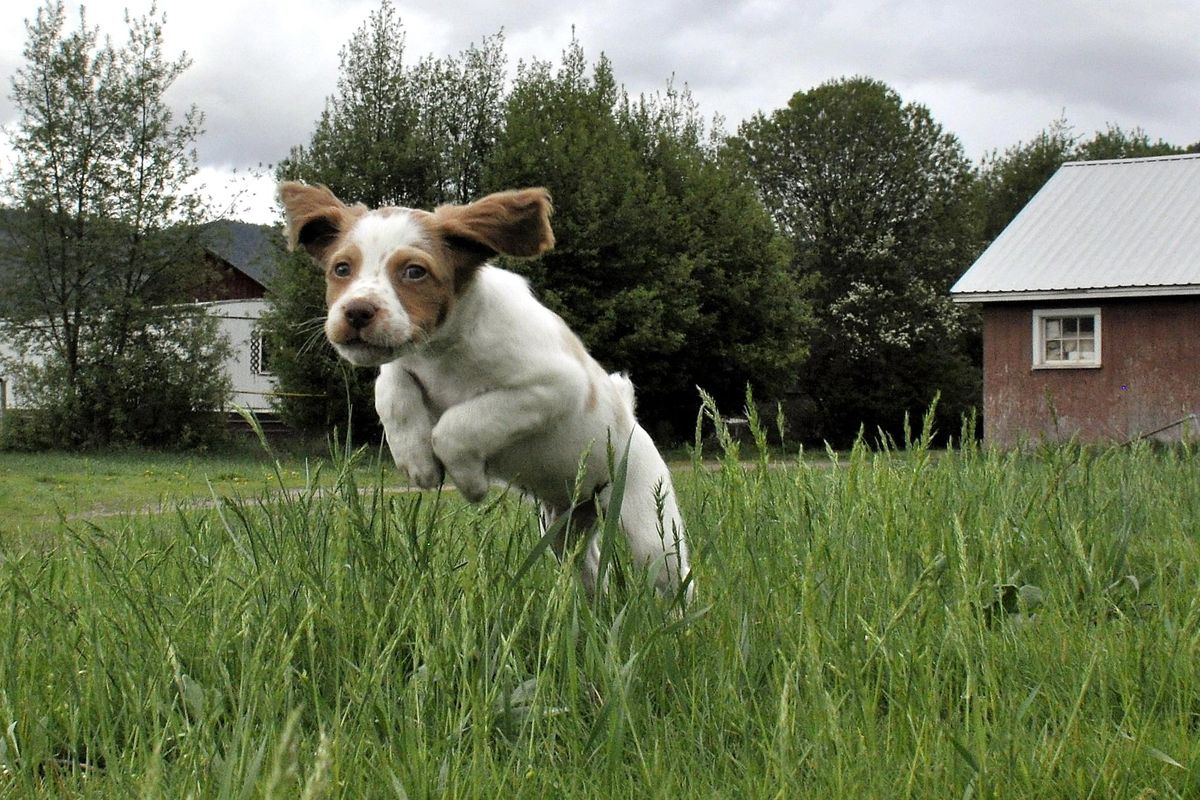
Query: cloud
991, 73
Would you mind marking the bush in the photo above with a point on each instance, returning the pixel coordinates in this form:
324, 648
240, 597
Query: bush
166, 386
26, 430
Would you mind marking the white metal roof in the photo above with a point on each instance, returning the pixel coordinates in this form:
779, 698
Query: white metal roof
1129, 227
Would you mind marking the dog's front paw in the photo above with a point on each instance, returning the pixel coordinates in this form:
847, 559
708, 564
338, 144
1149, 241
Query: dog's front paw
464, 466
472, 484
425, 473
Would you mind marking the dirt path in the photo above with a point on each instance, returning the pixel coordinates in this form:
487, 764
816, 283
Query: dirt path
202, 504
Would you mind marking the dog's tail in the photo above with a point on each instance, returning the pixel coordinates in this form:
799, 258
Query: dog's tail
624, 389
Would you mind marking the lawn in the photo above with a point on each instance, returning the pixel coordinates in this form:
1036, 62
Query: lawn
975, 624
38, 490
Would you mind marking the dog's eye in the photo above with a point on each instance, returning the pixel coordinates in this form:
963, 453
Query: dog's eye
414, 272
341, 269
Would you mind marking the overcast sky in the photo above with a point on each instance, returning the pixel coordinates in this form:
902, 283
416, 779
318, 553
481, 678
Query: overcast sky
993, 73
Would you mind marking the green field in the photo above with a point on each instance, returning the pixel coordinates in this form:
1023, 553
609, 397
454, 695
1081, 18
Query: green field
903, 623
39, 490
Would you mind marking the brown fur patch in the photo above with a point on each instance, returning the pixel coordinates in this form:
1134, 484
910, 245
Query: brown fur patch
340, 253
514, 223
316, 219
427, 301
460, 240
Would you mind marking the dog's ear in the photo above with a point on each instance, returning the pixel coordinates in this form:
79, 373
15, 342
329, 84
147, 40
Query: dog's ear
514, 223
315, 217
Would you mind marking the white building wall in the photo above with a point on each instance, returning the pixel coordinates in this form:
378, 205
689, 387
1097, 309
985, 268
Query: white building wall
253, 386
248, 366
9, 391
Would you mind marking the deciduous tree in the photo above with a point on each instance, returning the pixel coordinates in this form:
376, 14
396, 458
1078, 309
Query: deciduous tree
876, 198
103, 246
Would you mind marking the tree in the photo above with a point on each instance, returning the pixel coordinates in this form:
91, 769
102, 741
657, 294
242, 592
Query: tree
1009, 181
394, 134
629, 298
461, 117
104, 246
753, 319
1116, 142
876, 199
365, 146
665, 262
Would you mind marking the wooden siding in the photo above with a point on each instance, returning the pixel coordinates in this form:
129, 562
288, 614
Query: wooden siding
225, 282
1149, 375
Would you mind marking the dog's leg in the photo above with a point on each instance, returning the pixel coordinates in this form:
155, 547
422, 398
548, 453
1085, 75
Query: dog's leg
650, 516
583, 522
408, 425
470, 433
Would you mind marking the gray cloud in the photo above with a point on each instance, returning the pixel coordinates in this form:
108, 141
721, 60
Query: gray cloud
990, 73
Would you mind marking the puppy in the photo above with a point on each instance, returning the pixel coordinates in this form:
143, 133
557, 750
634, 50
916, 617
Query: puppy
477, 379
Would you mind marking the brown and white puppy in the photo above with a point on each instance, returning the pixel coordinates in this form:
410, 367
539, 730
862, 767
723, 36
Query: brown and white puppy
477, 379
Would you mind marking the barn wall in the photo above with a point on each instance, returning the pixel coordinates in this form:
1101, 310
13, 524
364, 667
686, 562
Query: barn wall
224, 282
1150, 374
238, 320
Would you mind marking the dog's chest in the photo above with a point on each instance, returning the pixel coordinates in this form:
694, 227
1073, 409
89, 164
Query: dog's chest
449, 382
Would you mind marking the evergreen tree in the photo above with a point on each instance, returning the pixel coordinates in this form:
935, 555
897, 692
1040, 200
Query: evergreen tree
394, 134
754, 317
616, 274
365, 146
666, 262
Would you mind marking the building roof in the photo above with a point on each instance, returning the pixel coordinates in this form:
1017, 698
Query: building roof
1123, 228
248, 248
252, 249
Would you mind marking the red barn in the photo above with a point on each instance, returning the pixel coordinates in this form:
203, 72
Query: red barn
1091, 306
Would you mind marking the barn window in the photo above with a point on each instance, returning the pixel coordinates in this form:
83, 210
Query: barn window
1066, 338
260, 355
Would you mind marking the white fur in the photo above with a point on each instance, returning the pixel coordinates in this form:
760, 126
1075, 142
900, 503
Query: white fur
502, 390
376, 237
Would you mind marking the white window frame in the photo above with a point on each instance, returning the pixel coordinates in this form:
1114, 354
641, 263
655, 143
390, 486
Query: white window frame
1040, 315
258, 348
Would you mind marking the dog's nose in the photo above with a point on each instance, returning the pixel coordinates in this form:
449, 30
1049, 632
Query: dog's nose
359, 314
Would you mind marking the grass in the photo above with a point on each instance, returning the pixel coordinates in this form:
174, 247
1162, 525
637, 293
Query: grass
38, 490
979, 624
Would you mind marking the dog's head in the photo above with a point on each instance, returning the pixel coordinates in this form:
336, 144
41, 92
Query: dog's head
394, 274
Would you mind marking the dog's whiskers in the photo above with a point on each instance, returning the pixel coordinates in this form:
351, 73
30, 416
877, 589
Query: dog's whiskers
313, 343
310, 324
315, 328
